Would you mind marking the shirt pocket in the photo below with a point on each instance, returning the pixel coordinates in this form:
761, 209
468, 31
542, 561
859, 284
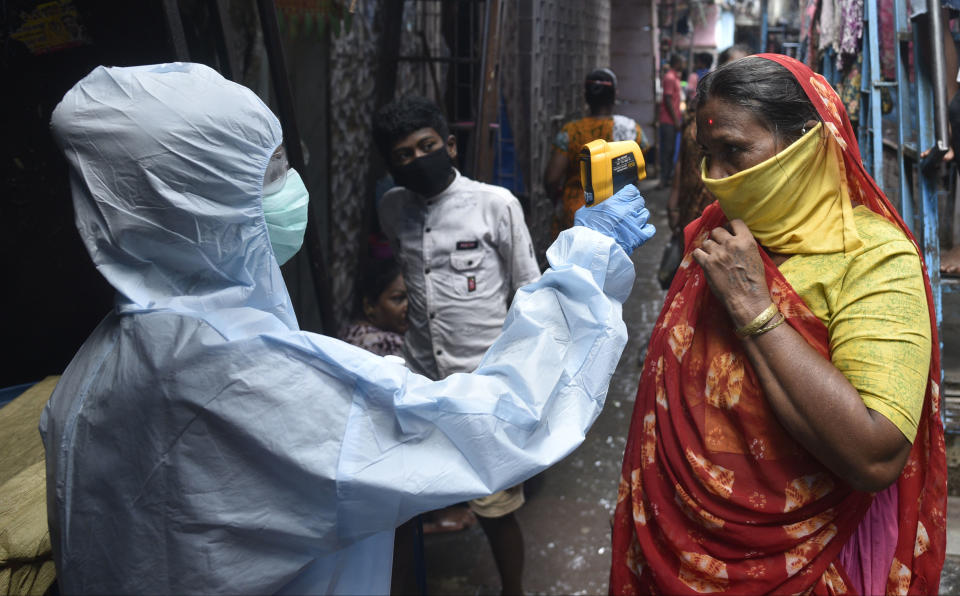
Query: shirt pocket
466, 261
467, 273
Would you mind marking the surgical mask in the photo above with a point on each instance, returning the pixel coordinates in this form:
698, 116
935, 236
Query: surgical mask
427, 175
796, 202
286, 213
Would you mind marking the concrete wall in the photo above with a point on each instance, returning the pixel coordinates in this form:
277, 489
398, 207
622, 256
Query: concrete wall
548, 48
632, 43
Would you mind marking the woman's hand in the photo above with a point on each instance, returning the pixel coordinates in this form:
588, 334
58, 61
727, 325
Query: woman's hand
811, 398
731, 262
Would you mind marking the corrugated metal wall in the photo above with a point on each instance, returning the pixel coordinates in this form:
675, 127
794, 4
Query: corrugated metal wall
423, 37
548, 48
633, 58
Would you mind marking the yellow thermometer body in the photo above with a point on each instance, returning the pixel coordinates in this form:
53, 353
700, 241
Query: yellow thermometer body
606, 167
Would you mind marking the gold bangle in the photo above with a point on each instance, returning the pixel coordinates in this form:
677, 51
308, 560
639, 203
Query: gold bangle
757, 324
770, 326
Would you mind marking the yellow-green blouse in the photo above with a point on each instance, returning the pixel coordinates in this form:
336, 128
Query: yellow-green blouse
873, 302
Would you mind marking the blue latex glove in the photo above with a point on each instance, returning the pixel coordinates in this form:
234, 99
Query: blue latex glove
622, 217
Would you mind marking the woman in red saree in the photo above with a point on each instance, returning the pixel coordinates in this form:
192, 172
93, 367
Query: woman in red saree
789, 458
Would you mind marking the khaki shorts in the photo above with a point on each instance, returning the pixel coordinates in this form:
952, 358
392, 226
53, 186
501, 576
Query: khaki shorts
499, 503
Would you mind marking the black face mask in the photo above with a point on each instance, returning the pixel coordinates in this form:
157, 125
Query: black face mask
427, 175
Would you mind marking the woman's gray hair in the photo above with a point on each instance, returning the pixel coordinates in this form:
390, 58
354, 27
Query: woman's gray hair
766, 89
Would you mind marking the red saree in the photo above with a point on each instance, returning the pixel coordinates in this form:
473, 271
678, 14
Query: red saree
714, 495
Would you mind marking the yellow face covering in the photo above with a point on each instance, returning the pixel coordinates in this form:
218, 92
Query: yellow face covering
796, 202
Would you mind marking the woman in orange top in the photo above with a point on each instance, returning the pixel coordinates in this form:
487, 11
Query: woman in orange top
562, 177
768, 457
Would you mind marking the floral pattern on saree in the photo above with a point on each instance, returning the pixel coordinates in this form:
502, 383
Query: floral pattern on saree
719, 498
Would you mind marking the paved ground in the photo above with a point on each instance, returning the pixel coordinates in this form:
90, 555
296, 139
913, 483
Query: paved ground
566, 521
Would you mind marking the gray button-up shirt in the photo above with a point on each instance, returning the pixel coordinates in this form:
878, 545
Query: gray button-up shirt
463, 252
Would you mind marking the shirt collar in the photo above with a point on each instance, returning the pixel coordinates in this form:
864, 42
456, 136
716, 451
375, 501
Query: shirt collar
448, 192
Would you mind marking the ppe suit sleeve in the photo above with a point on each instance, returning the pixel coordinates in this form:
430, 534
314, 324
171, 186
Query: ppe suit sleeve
412, 445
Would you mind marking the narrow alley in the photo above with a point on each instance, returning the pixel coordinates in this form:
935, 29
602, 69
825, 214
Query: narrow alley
260, 257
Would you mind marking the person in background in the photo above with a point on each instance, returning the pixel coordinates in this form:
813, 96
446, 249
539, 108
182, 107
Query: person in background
380, 316
669, 118
950, 259
200, 442
561, 179
688, 196
702, 62
380, 320
465, 250
734, 52
786, 436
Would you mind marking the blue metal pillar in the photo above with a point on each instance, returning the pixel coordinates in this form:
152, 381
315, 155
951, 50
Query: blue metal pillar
870, 133
926, 182
764, 25
905, 112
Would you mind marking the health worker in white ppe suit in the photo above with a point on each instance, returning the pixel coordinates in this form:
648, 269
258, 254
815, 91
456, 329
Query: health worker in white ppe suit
200, 442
